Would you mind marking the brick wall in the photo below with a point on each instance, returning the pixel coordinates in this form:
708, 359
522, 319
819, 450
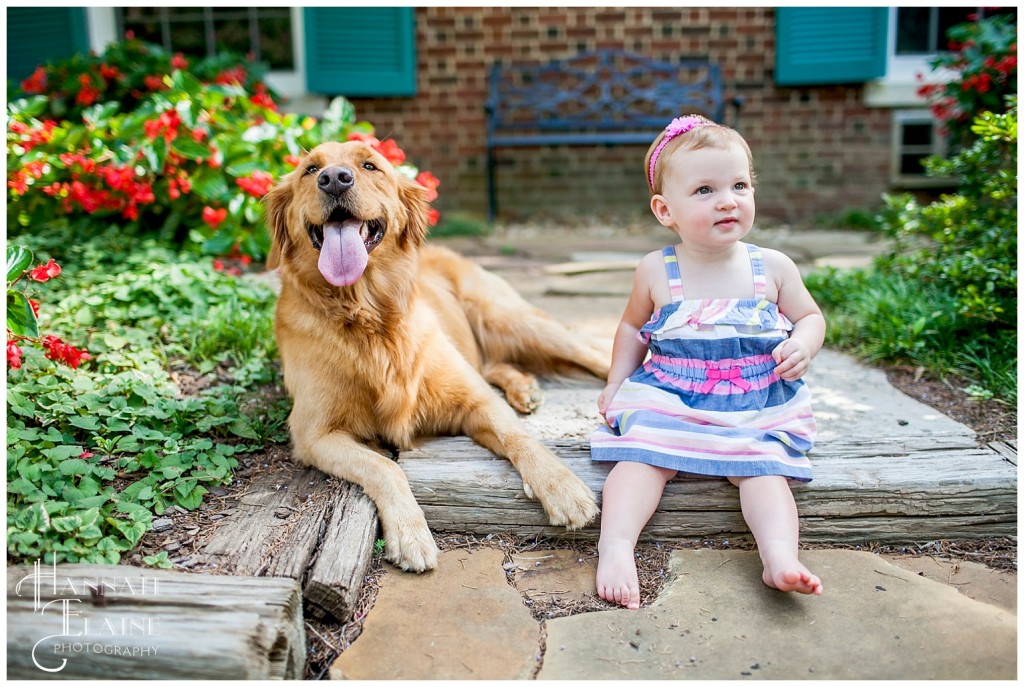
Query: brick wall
818, 151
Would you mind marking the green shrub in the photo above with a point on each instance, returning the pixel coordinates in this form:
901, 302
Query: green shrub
945, 297
966, 242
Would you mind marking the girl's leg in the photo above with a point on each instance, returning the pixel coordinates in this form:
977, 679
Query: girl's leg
770, 512
631, 493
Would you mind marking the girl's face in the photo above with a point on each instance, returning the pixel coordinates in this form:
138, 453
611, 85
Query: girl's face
707, 196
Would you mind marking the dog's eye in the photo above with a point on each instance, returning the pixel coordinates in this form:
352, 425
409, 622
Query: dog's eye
370, 166
312, 169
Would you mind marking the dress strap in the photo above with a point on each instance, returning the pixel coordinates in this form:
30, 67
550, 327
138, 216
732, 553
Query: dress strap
675, 282
757, 268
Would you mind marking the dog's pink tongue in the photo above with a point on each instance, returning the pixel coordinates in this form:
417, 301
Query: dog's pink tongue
343, 255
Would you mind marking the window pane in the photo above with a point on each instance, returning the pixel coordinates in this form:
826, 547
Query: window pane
232, 35
949, 17
917, 134
912, 30
188, 37
910, 163
276, 42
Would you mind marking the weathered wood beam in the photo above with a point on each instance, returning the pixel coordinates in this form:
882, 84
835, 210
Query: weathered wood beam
869, 491
136, 623
300, 523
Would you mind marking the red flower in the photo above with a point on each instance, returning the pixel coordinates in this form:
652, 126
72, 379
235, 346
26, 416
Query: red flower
18, 183
429, 182
35, 307
44, 273
155, 82
235, 75
64, 353
13, 356
179, 61
165, 125
257, 185
36, 83
214, 217
88, 94
109, 72
390, 150
432, 217
86, 454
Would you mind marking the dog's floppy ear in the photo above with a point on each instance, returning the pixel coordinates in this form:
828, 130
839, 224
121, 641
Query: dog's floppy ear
276, 203
414, 199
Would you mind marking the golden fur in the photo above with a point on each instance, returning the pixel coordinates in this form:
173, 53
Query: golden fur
408, 349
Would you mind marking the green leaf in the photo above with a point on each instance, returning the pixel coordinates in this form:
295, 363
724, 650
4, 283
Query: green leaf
186, 147
84, 422
18, 260
210, 184
20, 318
192, 500
62, 453
98, 116
75, 466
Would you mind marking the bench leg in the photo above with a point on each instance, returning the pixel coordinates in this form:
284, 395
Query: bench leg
492, 193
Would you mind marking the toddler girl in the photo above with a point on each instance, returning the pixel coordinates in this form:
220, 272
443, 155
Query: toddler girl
731, 329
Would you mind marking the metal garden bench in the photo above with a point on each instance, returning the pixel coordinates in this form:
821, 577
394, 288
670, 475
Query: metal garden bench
605, 97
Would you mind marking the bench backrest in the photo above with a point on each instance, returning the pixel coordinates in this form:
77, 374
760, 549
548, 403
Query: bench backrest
606, 96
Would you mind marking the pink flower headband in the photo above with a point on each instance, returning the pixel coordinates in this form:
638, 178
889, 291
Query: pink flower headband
677, 127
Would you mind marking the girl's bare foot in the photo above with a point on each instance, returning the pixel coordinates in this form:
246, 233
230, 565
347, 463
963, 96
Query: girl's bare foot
788, 574
617, 580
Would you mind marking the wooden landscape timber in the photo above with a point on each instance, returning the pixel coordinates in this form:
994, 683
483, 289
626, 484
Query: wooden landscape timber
300, 523
133, 623
870, 490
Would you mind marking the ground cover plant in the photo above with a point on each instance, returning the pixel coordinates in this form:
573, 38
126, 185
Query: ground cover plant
945, 297
137, 344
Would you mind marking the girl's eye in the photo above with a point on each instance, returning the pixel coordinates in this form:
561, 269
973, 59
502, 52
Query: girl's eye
704, 190
312, 169
370, 166
741, 186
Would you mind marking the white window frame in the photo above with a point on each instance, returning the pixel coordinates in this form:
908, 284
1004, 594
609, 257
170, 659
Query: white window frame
939, 146
898, 88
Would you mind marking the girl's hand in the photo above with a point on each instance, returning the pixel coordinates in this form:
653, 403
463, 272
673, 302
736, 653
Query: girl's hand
607, 394
792, 358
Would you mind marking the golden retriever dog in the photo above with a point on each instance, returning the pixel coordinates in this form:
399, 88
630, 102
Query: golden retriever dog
384, 339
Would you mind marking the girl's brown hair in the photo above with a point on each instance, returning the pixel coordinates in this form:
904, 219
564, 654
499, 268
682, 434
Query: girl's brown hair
706, 136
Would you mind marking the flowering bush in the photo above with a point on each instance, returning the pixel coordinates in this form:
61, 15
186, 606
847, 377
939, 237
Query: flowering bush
982, 58
23, 312
172, 153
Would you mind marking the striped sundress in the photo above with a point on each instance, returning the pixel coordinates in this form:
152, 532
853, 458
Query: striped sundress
707, 401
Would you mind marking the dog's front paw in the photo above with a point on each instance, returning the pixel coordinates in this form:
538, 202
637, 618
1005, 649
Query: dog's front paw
524, 396
411, 547
566, 499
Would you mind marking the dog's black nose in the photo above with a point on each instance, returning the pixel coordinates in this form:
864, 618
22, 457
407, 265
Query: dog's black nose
335, 180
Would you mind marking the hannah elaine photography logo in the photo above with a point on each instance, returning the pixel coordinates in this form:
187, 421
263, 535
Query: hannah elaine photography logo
84, 616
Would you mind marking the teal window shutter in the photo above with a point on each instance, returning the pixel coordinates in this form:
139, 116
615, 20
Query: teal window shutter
361, 51
43, 34
829, 45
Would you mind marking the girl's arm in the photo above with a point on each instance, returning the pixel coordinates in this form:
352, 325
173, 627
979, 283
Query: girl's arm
628, 352
794, 355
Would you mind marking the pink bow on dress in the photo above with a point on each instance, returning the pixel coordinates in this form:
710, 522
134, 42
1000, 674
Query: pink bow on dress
733, 375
